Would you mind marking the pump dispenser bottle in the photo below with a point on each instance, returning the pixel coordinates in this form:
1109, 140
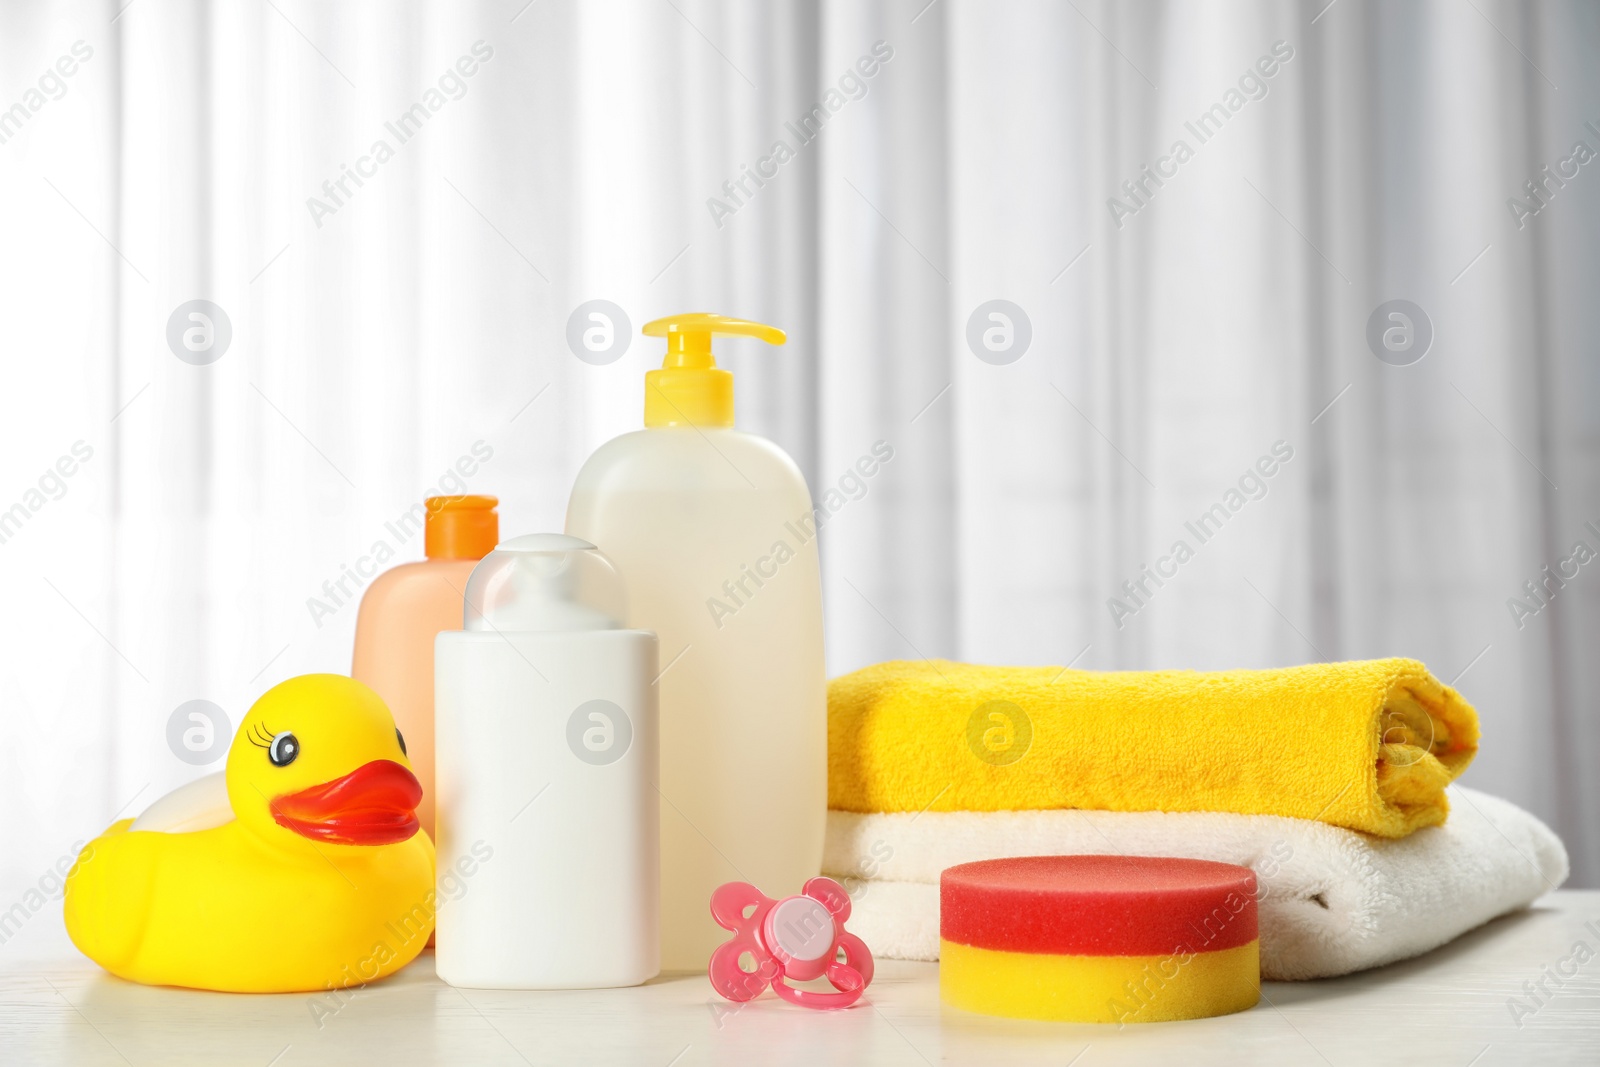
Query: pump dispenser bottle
713, 532
548, 854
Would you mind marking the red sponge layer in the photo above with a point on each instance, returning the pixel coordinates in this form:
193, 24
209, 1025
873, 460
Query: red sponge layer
1098, 905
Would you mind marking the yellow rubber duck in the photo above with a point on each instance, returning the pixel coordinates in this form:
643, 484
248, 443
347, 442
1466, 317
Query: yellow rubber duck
299, 867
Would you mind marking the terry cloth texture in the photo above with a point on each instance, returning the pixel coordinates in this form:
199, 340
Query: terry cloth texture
1367, 745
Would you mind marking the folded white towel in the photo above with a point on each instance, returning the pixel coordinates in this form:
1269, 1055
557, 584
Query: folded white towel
1332, 900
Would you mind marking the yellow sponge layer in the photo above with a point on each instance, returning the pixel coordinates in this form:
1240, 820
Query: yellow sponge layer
1100, 989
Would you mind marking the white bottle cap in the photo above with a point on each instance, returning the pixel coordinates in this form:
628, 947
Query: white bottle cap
545, 582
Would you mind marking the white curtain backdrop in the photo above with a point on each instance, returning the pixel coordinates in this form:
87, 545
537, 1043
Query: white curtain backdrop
418, 321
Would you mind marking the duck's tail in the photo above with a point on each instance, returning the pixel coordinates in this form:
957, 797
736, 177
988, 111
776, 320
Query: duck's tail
107, 898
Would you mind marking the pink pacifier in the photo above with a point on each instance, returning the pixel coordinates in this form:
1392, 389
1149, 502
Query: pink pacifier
794, 939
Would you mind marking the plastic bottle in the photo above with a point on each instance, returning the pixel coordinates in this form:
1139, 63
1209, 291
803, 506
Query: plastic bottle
713, 532
406, 606
549, 821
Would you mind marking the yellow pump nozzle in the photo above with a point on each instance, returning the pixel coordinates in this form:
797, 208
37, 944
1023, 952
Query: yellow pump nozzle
690, 389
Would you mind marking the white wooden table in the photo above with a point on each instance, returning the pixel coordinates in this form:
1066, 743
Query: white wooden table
1449, 1007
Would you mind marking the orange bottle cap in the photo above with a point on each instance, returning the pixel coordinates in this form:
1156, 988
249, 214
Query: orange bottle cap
461, 527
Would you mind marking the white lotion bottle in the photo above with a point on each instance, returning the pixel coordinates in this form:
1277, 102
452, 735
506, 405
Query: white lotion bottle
546, 762
714, 534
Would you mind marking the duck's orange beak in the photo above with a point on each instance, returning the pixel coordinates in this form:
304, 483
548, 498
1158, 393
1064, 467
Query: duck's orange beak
375, 804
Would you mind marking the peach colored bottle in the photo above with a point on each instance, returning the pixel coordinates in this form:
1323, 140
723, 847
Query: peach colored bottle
406, 606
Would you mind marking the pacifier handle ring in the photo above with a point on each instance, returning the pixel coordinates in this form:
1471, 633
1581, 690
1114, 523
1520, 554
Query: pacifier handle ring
850, 977
846, 979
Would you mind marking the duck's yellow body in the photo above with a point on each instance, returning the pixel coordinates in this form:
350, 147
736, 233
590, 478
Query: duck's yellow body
319, 879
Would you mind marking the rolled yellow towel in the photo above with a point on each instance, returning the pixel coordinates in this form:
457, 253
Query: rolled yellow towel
1367, 745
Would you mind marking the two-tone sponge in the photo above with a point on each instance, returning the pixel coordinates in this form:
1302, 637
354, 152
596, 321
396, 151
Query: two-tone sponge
1099, 938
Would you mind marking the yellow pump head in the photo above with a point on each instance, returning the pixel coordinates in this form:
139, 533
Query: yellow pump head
690, 389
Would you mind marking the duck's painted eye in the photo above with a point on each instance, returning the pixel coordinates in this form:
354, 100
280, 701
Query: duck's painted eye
400, 737
285, 747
